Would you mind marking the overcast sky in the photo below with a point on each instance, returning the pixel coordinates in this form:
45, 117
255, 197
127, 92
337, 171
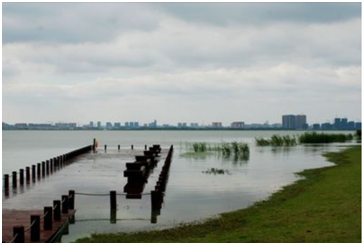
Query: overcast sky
180, 62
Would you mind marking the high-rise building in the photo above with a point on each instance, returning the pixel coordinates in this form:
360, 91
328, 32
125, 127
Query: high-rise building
289, 121
217, 125
301, 122
99, 124
237, 124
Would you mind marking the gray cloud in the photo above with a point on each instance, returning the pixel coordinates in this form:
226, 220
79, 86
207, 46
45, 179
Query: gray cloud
204, 61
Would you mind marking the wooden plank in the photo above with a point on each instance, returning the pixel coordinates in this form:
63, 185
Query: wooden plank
13, 218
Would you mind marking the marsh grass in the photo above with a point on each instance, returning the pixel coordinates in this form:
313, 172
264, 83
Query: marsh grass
216, 171
316, 138
236, 149
277, 140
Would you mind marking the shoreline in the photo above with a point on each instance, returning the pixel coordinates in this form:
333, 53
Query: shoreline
305, 211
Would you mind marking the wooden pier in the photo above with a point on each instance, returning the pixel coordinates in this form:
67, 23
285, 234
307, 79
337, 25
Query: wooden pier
21, 218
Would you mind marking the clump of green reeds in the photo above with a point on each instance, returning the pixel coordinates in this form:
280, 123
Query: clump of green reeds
317, 138
225, 148
277, 140
199, 147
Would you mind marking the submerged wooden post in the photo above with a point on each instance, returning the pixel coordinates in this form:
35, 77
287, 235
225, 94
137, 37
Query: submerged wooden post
71, 199
43, 169
47, 224
6, 182
47, 167
113, 200
35, 229
132, 147
21, 177
145, 147
38, 170
33, 173
118, 147
27, 175
105, 147
94, 145
57, 210
65, 204
14, 180
18, 233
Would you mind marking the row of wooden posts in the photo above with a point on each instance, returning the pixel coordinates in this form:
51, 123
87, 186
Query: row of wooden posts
51, 214
43, 169
131, 147
158, 193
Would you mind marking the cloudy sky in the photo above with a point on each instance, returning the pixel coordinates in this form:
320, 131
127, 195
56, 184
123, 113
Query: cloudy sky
180, 62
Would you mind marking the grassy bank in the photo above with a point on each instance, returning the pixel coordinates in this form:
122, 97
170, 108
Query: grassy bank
325, 206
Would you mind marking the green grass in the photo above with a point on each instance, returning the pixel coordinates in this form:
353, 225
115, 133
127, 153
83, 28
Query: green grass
277, 140
316, 138
227, 149
325, 206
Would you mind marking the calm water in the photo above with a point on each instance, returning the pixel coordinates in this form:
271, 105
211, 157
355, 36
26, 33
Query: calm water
191, 194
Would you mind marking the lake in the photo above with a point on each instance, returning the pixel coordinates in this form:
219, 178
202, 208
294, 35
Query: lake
191, 194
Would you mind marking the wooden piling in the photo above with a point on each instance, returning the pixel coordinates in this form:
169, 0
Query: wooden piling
18, 233
47, 167
27, 175
105, 147
71, 199
21, 177
35, 229
57, 210
6, 182
43, 169
113, 200
33, 173
119, 147
132, 147
47, 223
51, 165
145, 147
14, 180
65, 204
38, 170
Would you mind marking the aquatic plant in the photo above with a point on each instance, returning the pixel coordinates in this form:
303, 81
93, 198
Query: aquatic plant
225, 148
277, 140
215, 171
317, 138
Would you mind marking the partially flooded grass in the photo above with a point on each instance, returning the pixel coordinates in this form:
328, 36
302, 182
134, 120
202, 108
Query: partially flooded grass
277, 140
237, 150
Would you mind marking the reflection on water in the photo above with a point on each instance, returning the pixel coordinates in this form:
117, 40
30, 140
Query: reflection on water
190, 195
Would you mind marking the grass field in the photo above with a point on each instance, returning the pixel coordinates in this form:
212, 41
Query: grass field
325, 206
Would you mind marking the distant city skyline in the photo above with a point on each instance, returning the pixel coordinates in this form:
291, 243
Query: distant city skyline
180, 62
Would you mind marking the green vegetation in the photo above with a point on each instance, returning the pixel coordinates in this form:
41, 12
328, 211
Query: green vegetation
215, 171
316, 138
236, 149
277, 140
325, 206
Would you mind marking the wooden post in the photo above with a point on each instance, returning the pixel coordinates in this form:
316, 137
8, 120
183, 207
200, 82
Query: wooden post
21, 177
51, 165
113, 200
6, 182
57, 210
47, 167
38, 170
119, 147
14, 180
65, 204
18, 231
132, 147
113, 216
27, 174
33, 173
43, 169
47, 224
156, 199
105, 147
35, 229
94, 145
71, 199
145, 147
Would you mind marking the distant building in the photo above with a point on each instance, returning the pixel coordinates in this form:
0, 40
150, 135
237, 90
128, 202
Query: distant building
237, 125
109, 125
217, 125
99, 124
316, 126
327, 126
153, 124
358, 125
194, 125
117, 125
289, 121
91, 124
294, 122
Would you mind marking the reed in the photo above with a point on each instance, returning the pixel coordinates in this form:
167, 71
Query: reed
277, 140
317, 138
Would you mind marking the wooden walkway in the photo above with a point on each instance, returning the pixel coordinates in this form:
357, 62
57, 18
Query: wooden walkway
13, 218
